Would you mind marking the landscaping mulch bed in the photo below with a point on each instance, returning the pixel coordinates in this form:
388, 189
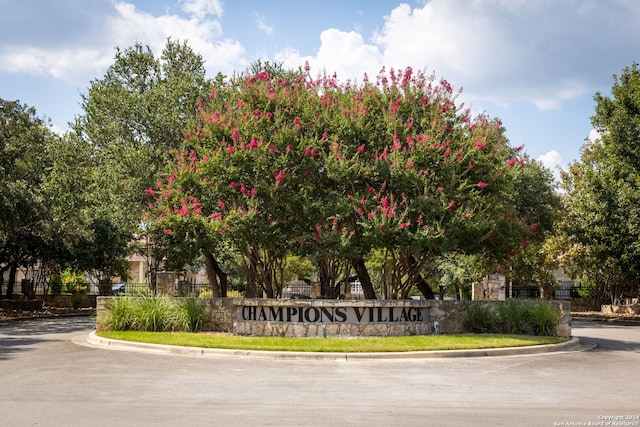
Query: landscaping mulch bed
46, 312
597, 315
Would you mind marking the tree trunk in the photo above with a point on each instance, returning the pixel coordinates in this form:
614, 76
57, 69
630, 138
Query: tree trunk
217, 277
422, 284
105, 287
323, 277
251, 291
365, 279
546, 291
12, 280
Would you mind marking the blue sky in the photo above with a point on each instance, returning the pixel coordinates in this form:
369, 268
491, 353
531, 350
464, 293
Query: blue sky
535, 64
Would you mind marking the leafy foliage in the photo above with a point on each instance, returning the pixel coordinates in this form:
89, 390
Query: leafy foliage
282, 163
512, 317
603, 201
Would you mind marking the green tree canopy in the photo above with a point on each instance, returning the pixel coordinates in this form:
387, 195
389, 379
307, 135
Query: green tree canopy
283, 163
603, 203
133, 117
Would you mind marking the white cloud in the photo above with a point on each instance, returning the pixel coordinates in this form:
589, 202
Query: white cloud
201, 8
262, 25
343, 53
124, 26
552, 161
594, 135
502, 51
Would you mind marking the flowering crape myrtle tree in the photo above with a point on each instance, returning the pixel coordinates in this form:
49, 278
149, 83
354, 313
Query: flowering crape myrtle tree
429, 179
283, 163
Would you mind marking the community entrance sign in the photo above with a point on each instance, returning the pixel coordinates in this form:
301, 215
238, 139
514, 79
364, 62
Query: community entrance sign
321, 318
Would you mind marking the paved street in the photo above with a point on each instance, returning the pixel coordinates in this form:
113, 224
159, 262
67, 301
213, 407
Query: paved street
48, 380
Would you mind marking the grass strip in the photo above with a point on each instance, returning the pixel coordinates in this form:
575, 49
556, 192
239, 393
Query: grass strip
333, 345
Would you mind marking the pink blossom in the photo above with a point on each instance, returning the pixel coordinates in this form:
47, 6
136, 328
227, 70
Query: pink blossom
404, 225
148, 191
525, 244
280, 175
533, 228
167, 231
221, 204
230, 149
235, 134
272, 149
289, 147
344, 229
171, 177
361, 148
216, 216
451, 205
479, 145
233, 184
482, 184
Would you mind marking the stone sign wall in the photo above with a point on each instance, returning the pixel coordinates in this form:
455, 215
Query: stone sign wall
340, 318
330, 318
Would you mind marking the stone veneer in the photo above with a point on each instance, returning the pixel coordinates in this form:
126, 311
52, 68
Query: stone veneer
337, 318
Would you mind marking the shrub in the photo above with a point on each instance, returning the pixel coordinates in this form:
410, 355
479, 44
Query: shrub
545, 318
191, 313
55, 284
154, 314
120, 314
207, 293
76, 301
235, 294
515, 317
479, 318
73, 282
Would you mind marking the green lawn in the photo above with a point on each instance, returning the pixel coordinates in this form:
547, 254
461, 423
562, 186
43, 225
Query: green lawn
338, 345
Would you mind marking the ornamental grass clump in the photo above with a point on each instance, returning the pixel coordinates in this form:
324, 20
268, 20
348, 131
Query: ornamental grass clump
515, 317
545, 318
512, 317
120, 315
479, 318
154, 314
190, 314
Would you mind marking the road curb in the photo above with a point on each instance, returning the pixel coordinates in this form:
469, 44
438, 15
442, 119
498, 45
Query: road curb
93, 340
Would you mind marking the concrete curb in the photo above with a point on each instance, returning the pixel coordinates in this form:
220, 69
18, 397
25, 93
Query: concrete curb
93, 340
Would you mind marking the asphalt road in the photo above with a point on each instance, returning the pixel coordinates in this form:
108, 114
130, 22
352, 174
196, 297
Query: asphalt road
48, 380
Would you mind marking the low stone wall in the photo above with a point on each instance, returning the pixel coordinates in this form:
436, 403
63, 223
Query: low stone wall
620, 309
64, 301
340, 318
